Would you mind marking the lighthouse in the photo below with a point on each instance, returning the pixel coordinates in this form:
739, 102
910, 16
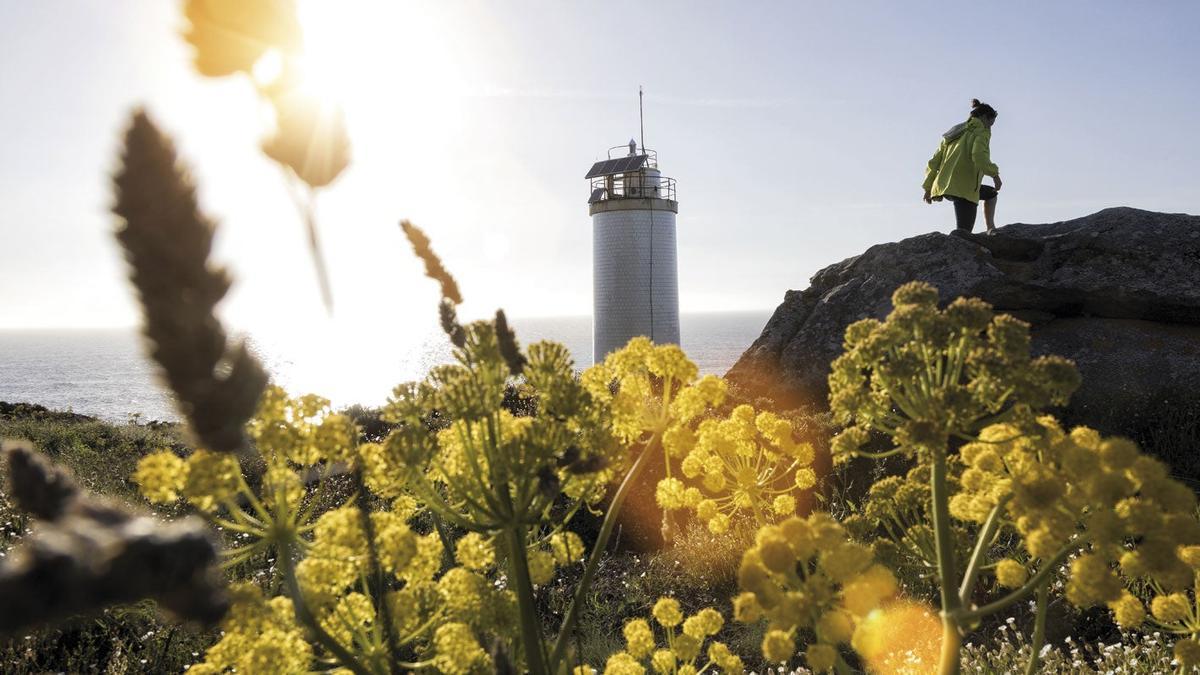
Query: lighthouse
635, 282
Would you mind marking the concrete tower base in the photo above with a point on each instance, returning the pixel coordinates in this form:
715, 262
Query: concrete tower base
634, 267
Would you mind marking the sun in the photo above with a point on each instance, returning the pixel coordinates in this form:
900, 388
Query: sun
365, 54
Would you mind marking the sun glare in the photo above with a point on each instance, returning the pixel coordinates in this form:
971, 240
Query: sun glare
395, 75
371, 57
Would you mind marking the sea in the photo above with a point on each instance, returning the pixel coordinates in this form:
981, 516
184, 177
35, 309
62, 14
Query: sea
106, 374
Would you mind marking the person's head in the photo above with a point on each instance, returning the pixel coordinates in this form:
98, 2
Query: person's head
985, 112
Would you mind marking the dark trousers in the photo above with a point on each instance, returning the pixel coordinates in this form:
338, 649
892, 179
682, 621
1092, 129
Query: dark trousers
965, 210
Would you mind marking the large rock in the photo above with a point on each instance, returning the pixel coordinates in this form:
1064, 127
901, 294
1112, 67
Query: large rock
1117, 291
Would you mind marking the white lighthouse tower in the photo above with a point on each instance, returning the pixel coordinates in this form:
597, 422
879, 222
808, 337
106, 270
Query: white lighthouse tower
635, 283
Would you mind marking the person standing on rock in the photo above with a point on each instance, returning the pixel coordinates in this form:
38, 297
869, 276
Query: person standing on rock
956, 170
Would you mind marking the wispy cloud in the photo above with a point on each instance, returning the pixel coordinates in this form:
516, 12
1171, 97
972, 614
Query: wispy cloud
493, 91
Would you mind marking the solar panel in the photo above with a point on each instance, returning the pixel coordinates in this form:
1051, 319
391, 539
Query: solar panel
619, 165
597, 195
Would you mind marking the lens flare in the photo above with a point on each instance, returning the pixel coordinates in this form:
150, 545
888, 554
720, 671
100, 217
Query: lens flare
901, 638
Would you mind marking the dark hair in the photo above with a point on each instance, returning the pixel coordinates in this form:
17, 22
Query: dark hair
979, 109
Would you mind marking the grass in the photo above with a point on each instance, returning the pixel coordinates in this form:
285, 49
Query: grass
130, 639
699, 570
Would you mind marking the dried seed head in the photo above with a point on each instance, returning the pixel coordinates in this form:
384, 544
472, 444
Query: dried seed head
507, 342
450, 324
167, 242
91, 554
38, 487
433, 265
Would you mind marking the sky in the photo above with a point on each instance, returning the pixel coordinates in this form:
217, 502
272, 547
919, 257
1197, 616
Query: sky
798, 134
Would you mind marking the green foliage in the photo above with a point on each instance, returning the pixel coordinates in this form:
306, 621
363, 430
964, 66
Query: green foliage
956, 392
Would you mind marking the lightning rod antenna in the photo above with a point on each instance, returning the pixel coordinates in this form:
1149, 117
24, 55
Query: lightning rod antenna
641, 119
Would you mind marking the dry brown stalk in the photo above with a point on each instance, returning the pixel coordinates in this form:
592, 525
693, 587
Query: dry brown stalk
167, 242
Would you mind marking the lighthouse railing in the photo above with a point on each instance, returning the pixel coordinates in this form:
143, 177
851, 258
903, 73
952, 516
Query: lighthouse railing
623, 150
633, 186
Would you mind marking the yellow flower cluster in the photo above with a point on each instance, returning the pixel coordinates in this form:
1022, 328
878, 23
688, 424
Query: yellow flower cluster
205, 479
647, 379
303, 429
925, 375
259, 636
458, 652
1174, 611
472, 461
682, 650
746, 462
1076, 491
805, 575
896, 521
337, 558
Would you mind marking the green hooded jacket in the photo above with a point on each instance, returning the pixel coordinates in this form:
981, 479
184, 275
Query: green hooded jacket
962, 160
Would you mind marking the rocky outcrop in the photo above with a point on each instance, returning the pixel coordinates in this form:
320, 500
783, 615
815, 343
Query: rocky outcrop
1117, 291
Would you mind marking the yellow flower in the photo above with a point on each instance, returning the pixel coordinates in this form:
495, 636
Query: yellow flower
704, 623
639, 639
354, 612
845, 560
746, 608
663, 661
686, 647
1187, 652
259, 636
784, 505
541, 566
622, 663
1128, 610
282, 488
212, 478
669, 362
679, 441
1010, 573
777, 646
666, 612
669, 494
726, 660
1092, 582
336, 438
395, 543
821, 657
869, 590
719, 524
160, 476
231, 36
462, 593
1190, 555
835, 627
567, 547
1171, 608
475, 552
458, 652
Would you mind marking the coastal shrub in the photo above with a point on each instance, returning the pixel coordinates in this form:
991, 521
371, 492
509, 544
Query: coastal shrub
957, 394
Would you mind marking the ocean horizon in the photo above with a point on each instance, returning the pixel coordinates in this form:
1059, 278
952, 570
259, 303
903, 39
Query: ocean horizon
105, 373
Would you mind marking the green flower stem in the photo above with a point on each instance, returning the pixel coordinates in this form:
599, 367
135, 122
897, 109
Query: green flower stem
982, 543
305, 615
589, 570
531, 632
263, 514
1039, 629
944, 546
380, 581
1021, 593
